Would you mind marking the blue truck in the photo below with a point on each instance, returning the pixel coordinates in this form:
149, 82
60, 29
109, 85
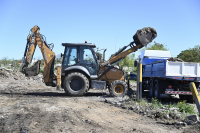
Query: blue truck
163, 75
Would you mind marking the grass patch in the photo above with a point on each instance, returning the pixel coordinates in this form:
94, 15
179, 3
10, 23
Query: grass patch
156, 103
183, 106
132, 81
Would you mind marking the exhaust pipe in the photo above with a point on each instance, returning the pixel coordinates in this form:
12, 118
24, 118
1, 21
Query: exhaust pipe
104, 54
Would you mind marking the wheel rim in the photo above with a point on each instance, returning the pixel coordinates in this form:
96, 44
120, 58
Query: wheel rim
76, 84
119, 89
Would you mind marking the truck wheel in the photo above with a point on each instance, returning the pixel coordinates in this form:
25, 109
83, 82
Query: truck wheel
151, 89
118, 88
76, 84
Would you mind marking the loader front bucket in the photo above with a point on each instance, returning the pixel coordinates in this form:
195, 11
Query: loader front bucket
33, 70
144, 36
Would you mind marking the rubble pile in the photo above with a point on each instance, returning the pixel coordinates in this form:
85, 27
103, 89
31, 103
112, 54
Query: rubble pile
14, 81
4, 73
16, 75
166, 115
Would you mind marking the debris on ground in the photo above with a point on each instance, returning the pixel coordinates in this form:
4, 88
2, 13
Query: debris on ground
30, 106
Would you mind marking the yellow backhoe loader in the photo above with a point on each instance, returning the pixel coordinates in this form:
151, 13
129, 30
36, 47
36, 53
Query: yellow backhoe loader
80, 69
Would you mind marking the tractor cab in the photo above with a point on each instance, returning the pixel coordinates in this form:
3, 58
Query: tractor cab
80, 56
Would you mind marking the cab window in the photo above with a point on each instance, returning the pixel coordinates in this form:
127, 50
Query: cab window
70, 57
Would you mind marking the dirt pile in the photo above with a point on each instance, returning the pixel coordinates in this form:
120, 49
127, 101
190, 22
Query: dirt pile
14, 81
4, 73
11, 74
164, 115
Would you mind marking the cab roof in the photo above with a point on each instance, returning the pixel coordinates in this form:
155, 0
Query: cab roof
79, 44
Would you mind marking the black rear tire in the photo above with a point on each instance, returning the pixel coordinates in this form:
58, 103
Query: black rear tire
76, 84
118, 88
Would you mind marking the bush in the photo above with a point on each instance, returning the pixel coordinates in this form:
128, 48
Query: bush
185, 108
156, 103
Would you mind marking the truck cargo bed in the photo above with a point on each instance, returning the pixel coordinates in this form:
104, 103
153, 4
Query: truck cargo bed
173, 70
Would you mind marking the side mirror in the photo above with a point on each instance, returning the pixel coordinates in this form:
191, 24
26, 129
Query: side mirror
135, 63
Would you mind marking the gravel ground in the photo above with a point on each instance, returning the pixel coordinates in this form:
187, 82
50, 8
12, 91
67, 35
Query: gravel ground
27, 105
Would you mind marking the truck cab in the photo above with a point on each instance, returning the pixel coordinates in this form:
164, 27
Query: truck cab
149, 56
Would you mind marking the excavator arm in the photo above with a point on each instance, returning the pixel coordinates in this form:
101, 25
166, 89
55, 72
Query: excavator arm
141, 39
34, 39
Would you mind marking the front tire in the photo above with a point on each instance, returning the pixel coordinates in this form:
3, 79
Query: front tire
76, 84
118, 88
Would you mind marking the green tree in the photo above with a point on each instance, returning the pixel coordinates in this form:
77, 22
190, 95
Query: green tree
100, 55
127, 62
155, 46
190, 55
4, 61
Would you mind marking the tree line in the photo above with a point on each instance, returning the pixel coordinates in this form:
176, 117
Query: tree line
5, 61
188, 55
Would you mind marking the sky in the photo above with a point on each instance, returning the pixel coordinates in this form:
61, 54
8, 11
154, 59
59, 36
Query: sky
108, 24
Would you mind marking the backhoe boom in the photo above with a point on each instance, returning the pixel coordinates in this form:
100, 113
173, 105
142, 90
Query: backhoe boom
34, 39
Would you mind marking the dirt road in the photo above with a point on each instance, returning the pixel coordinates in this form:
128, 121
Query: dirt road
39, 108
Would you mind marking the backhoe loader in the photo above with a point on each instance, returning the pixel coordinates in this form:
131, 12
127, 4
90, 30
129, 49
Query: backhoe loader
80, 69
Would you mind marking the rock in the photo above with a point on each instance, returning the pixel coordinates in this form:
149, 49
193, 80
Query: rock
173, 109
194, 117
167, 116
180, 123
190, 122
118, 104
